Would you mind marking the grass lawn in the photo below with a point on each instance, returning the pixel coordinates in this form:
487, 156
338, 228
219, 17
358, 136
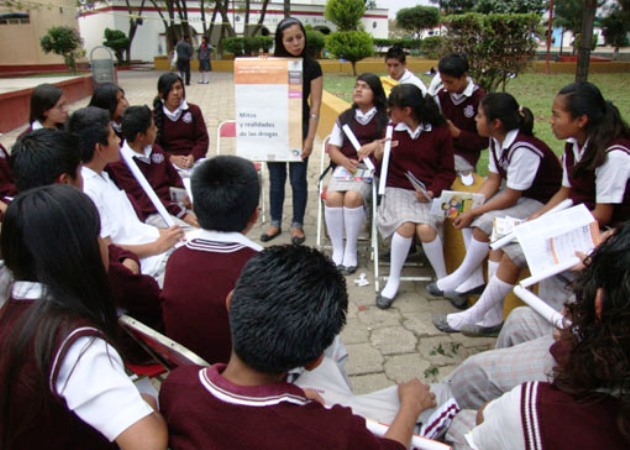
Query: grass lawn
535, 91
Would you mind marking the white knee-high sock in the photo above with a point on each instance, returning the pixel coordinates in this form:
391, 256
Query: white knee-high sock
473, 259
492, 268
398, 255
334, 225
435, 254
491, 301
467, 234
353, 220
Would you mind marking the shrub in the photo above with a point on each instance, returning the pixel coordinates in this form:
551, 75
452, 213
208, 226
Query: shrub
352, 46
315, 42
432, 46
497, 45
247, 46
117, 41
64, 41
346, 14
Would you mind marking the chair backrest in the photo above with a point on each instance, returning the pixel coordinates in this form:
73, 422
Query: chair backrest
163, 349
226, 129
325, 151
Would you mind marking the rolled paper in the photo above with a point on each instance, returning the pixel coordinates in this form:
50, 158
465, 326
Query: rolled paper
385, 166
146, 187
355, 143
542, 308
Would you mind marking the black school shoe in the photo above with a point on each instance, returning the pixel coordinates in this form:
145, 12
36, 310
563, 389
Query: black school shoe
383, 302
268, 237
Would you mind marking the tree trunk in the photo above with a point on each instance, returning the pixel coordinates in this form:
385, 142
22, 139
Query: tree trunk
259, 25
586, 40
133, 27
246, 24
287, 8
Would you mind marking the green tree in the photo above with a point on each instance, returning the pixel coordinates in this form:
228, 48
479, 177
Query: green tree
418, 18
352, 46
568, 16
616, 26
455, 6
64, 41
497, 45
117, 41
346, 14
511, 6
315, 41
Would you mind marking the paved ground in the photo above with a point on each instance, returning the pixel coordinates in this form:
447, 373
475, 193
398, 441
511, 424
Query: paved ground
384, 346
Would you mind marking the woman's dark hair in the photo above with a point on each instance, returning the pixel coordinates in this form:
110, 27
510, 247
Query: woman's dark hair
164, 86
604, 125
379, 100
279, 49
600, 344
424, 108
43, 98
502, 106
50, 235
104, 97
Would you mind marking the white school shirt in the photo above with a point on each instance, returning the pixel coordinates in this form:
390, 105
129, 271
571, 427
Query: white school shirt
610, 178
409, 78
521, 172
413, 134
92, 379
337, 135
502, 424
119, 220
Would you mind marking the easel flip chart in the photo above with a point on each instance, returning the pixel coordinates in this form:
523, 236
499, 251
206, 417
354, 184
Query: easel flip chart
268, 100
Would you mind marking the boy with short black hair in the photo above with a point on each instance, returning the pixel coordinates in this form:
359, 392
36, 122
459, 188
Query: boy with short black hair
459, 100
396, 62
119, 222
287, 307
48, 156
200, 274
139, 131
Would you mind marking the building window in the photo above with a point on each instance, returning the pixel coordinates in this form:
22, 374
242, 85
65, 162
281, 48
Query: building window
15, 19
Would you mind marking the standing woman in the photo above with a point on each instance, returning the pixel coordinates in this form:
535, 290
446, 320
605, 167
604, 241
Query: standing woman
204, 60
182, 131
111, 97
64, 384
49, 108
290, 42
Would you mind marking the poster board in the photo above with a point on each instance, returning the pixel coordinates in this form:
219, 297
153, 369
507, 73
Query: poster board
268, 102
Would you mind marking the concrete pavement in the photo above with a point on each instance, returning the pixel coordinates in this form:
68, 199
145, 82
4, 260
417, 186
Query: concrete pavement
384, 346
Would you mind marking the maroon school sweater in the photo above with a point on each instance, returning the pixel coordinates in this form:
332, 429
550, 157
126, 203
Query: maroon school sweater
205, 411
548, 178
137, 294
7, 185
555, 420
583, 184
160, 174
364, 133
469, 144
52, 426
188, 135
429, 158
198, 278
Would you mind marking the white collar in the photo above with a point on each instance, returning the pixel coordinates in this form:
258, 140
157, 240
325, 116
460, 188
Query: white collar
364, 118
508, 141
116, 126
27, 290
578, 152
145, 156
175, 115
36, 125
224, 236
470, 88
402, 126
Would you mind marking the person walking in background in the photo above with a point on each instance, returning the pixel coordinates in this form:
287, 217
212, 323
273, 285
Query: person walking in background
184, 53
204, 60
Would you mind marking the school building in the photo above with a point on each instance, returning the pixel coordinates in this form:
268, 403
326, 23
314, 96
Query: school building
150, 39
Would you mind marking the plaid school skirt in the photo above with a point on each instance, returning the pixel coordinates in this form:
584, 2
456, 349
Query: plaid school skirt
523, 208
399, 206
